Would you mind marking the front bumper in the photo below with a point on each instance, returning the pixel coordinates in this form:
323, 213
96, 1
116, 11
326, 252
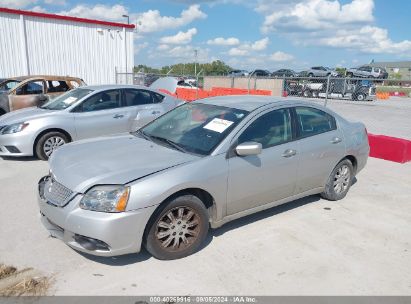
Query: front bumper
17, 144
95, 233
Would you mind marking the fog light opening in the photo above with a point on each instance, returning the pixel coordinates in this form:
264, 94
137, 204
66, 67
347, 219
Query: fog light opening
90, 243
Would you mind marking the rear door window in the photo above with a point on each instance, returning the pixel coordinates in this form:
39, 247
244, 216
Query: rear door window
138, 97
57, 86
31, 88
312, 121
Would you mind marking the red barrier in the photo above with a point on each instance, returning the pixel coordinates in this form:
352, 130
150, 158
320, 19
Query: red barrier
400, 94
390, 148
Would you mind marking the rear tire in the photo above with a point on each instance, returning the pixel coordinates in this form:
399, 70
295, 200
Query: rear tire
48, 143
339, 182
177, 229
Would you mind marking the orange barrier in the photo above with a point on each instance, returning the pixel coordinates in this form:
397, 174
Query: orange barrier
193, 94
383, 95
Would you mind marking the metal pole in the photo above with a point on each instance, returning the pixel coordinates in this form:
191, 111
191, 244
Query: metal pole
326, 93
125, 46
195, 61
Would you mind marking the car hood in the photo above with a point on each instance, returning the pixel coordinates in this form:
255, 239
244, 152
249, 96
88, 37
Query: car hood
111, 160
24, 115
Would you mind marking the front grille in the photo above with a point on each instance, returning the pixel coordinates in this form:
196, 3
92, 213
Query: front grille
57, 194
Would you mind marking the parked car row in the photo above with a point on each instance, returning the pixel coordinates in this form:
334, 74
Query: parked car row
316, 71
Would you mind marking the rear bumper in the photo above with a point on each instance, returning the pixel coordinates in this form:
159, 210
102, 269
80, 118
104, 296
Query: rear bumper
95, 233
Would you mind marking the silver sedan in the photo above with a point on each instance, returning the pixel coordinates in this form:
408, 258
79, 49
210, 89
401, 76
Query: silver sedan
79, 114
202, 164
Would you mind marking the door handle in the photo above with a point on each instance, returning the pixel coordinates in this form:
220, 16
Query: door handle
289, 153
118, 116
336, 140
155, 112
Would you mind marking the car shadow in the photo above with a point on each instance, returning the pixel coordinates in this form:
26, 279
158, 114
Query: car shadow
249, 219
121, 260
20, 159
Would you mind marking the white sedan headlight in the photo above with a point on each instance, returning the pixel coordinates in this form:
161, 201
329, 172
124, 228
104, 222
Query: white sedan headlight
14, 128
106, 199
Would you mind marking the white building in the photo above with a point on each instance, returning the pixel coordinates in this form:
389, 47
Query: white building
34, 43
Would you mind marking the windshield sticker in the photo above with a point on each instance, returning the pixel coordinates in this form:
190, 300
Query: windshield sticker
218, 125
70, 100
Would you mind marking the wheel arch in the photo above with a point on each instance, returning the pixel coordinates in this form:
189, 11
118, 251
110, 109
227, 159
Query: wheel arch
353, 161
206, 198
70, 138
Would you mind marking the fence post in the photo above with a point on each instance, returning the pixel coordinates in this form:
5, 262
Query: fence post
327, 90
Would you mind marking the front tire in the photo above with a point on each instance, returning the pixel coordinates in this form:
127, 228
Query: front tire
48, 143
339, 182
360, 97
178, 229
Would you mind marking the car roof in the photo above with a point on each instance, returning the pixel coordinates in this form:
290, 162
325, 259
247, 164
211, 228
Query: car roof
45, 77
114, 86
241, 102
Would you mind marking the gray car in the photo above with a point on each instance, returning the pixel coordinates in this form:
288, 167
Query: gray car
79, 114
200, 165
320, 71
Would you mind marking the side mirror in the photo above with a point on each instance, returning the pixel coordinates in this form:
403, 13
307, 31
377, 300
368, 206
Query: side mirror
248, 148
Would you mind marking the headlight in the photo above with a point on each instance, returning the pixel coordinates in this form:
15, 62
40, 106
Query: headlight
14, 128
106, 199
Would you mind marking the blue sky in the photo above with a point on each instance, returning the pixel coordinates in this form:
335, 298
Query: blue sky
267, 34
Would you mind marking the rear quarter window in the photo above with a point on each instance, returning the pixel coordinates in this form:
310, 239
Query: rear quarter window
313, 121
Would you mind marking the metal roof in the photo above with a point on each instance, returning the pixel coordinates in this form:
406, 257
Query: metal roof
66, 18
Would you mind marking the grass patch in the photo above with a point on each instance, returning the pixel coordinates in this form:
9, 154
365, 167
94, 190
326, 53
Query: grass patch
25, 282
393, 89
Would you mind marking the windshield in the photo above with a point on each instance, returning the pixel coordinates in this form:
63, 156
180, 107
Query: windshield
67, 99
8, 85
193, 127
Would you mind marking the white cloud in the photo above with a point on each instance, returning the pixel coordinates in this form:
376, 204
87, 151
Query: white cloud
224, 41
39, 9
152, 21
180, 37
237, 52
163, 47
99, 11
259, 45
317, 15
247, 48
17, 3
185, 53
140, 46
281, 56
368, 39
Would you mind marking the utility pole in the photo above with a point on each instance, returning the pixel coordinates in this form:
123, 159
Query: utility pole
125, 45
195, 62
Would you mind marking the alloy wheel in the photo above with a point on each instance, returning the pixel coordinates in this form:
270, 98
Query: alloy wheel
52, 143
178, 229
342, 179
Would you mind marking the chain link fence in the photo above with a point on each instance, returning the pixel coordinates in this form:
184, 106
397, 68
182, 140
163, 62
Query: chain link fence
339, 88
